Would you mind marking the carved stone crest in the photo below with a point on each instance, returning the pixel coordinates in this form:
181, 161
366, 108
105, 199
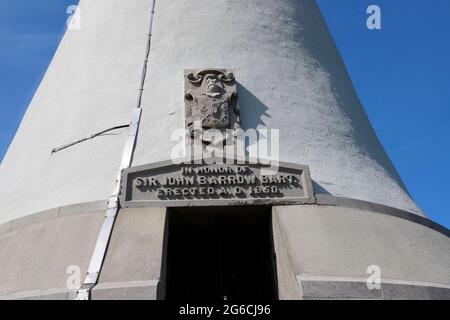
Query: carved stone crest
211, 100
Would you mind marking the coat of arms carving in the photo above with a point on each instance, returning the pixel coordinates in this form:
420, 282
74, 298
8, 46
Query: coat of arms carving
211, 101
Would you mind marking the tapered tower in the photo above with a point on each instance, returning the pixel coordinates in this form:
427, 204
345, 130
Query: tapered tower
86, 182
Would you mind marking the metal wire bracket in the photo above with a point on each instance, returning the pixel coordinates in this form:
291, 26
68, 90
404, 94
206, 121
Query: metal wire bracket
55, 150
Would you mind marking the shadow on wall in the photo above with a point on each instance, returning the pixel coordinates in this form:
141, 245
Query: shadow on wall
252, 113
317, 188
252, 109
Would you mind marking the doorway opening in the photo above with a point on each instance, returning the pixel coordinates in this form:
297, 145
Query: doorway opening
219, 253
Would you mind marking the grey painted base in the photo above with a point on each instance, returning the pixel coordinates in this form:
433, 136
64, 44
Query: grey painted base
323, 252
130, 290
51, 294
342, 288
323, 244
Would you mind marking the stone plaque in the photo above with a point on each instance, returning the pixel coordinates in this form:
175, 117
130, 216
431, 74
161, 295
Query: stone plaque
168, 185
211, 101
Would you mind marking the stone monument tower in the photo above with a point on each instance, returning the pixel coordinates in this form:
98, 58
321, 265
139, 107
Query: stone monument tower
97, 205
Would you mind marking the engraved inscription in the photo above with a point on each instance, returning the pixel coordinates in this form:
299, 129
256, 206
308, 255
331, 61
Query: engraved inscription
190, 184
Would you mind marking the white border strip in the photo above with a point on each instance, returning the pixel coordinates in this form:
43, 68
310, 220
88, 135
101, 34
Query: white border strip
312, 278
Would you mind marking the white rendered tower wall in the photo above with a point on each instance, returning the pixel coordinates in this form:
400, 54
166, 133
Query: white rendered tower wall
290, 77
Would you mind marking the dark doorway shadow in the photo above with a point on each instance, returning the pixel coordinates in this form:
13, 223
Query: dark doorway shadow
219, 253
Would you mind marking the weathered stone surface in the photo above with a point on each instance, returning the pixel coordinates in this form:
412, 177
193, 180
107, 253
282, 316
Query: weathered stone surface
212, 102
190, 184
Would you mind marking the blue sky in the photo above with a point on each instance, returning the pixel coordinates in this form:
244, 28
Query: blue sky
401, 74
